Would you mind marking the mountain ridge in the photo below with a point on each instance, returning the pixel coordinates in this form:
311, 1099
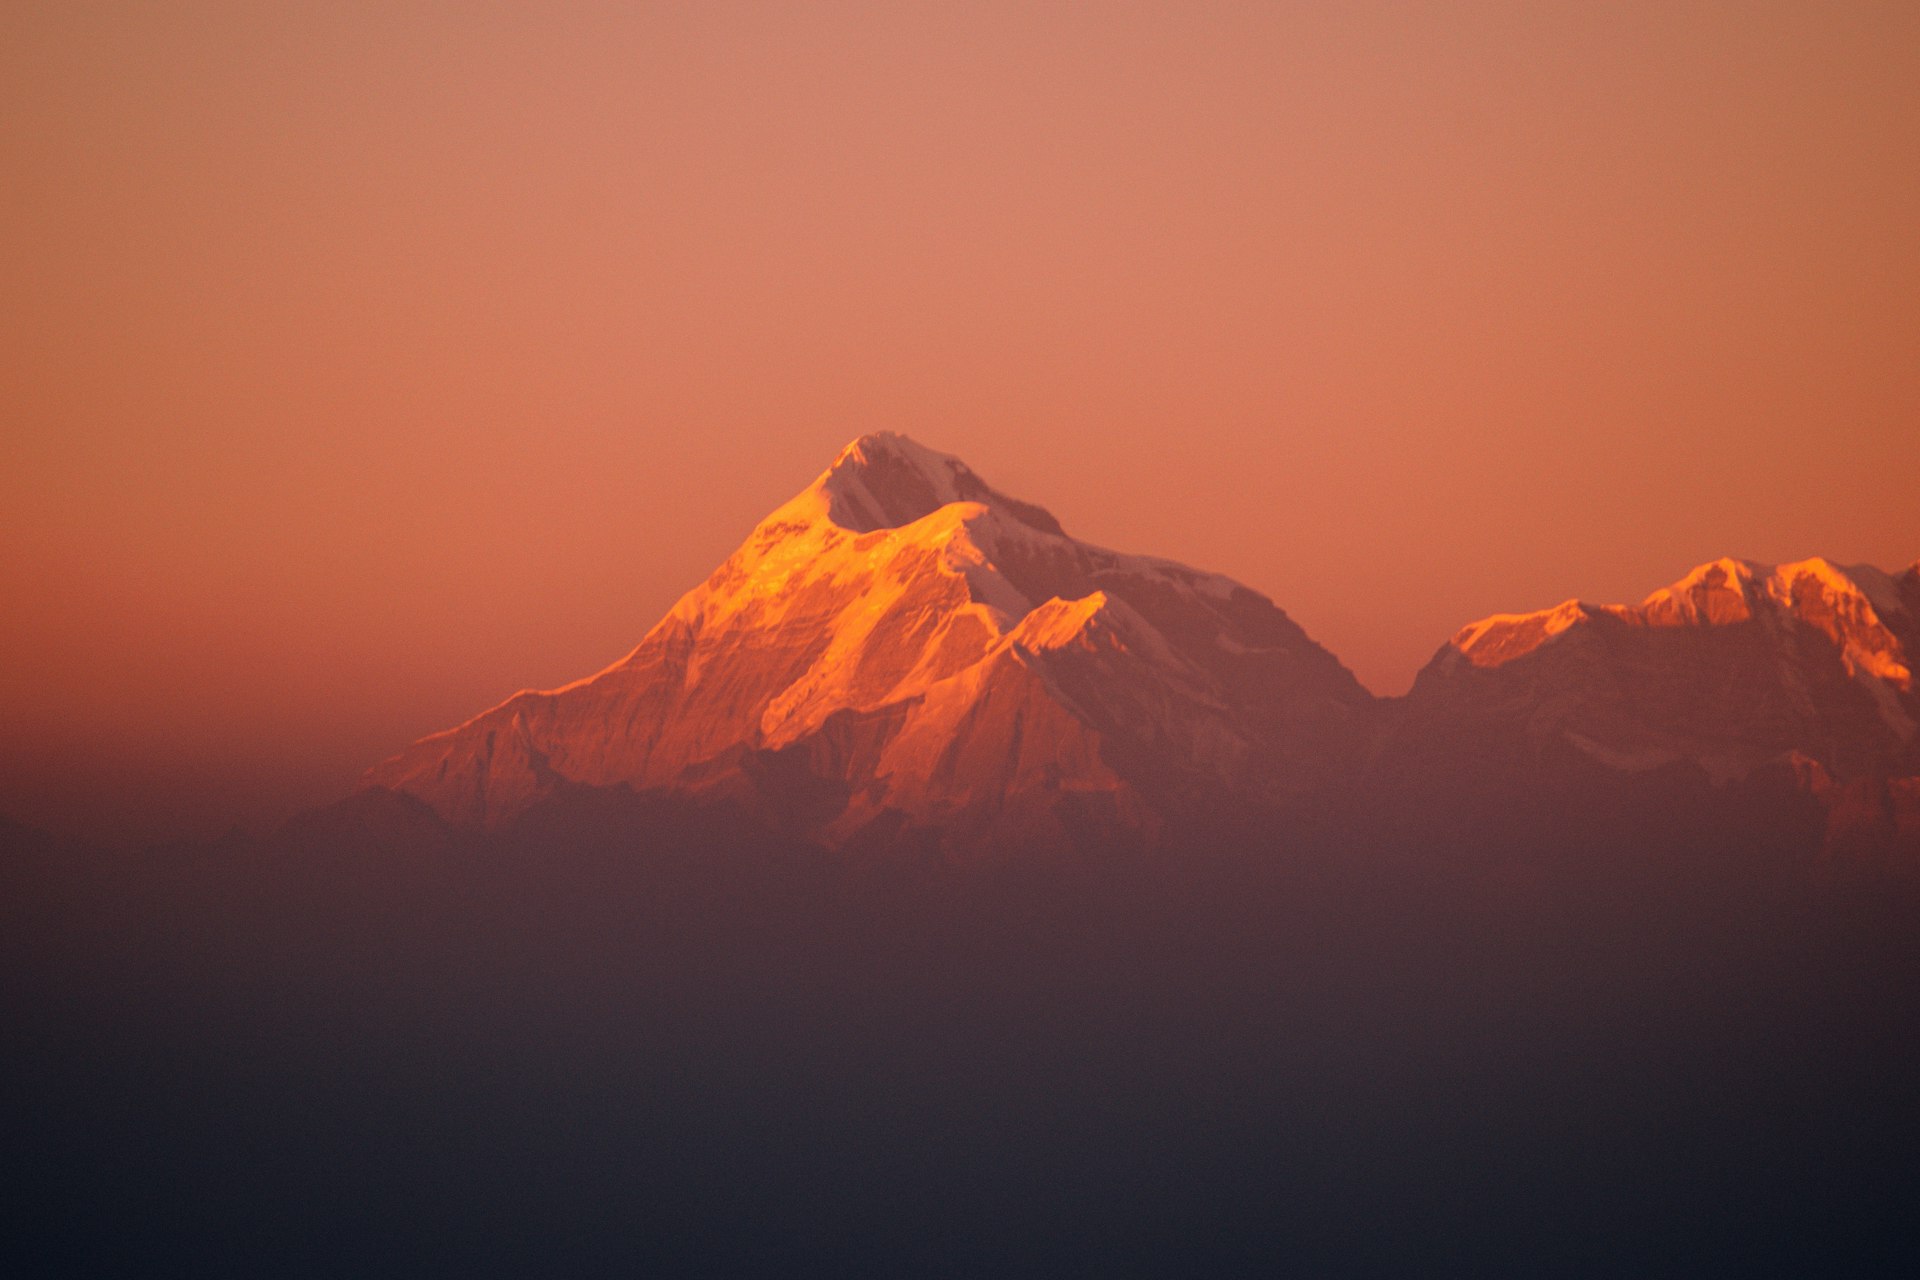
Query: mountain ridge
1733, 665
902, 648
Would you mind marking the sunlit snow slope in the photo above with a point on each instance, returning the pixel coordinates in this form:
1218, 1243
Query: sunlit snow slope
1735, 666
902, 647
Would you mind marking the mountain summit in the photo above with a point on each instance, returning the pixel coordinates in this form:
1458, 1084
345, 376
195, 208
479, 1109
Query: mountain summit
903, 649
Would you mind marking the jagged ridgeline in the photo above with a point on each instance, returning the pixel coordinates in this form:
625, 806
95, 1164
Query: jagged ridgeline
902, 654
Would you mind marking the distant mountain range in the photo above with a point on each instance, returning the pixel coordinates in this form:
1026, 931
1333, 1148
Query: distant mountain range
903, 653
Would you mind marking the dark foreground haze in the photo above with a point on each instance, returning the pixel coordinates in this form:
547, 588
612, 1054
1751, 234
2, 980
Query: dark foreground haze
1622, 1026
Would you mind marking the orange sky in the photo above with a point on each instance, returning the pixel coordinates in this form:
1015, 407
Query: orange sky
363, 365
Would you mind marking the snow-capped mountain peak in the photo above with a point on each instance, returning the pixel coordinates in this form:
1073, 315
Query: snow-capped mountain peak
884, 480
1735, 665
935, 652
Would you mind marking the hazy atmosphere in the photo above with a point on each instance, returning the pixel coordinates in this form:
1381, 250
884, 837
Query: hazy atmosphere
364, 364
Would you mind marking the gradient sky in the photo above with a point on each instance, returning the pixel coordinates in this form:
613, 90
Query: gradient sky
364, 363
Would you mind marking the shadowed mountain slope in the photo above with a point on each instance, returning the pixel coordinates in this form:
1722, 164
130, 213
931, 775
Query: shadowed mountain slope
1770, 679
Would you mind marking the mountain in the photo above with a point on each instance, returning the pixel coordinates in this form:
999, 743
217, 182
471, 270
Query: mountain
1733, 667
902, 654
902, 650
1800, 672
